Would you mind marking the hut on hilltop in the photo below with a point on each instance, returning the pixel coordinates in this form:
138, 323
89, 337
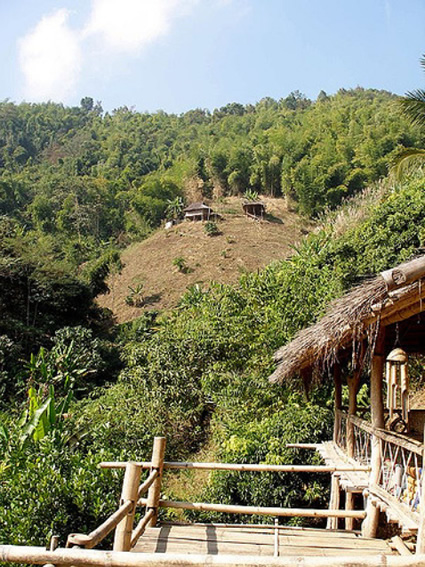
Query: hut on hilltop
198, 212
254, 209
377, 325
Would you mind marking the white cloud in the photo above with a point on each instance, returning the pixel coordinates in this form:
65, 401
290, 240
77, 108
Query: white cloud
129, 25
50, 55
50, 58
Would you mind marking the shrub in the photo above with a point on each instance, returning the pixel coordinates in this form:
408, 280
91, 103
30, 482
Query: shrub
180, 264
211, 229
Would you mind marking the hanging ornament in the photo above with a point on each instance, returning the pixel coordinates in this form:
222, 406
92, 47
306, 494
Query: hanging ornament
397, 380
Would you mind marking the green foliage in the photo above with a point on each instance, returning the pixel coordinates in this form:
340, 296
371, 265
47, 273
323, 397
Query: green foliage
46, 490
263, 439
175, 208
74, 185
251, 195
96, 271
135, 297
181, 265
211, 229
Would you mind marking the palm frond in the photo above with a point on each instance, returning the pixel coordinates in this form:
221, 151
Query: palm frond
406, 160
413, 105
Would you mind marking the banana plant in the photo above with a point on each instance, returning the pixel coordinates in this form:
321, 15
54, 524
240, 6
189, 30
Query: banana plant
44, 415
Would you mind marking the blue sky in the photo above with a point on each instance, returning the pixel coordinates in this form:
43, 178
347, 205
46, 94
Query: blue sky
180, 54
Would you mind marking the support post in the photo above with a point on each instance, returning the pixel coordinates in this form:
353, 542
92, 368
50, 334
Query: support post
349, 505
155, 490
352, 410
370, 524
420, 539
353, 389
338, 400
130, 487
332, 523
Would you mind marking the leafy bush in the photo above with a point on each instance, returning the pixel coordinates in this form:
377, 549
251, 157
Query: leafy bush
211, 229
46, 490
181, 265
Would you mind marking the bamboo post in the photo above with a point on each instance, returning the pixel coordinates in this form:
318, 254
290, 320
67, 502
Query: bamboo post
353, 383
420, 540
349, 505
370, 524
332, 523
155, 490
122, 539
338, 401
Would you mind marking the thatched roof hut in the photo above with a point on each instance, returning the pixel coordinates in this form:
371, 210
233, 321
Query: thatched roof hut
254, 209
198, 211
389, 300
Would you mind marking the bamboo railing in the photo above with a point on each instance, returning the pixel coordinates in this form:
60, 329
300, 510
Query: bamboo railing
97, 558
401, 476
122, 520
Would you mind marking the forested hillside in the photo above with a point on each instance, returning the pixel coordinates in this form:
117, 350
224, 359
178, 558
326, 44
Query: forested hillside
75, 186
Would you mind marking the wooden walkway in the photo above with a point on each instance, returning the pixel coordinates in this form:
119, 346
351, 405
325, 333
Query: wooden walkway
350, 481
223, 539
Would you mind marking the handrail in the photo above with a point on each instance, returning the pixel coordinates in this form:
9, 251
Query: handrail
97, 558
262, 510
148, 482
244, 467
141, 526
389, 436
96, 536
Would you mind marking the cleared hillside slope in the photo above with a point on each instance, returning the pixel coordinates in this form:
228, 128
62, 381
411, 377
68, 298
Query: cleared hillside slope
242, 245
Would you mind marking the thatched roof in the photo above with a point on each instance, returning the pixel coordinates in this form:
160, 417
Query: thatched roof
196, 207
392, 296
253, 204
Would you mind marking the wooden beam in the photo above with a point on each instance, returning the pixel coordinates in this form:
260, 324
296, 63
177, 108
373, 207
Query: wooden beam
334, 500
370, 525
337, 399
260, 510
122, 539
349, 505
420, 541
97, 558
237, 467
404, 274
155, 490
96, 536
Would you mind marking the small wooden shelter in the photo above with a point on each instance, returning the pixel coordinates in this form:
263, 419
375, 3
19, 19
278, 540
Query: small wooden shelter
376, 326
254, 209
198, 212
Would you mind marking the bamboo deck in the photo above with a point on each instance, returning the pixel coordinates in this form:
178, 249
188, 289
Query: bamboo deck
350, 481
216, 539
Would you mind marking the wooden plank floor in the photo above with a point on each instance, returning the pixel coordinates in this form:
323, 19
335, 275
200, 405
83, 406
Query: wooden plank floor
351, 481
246, 540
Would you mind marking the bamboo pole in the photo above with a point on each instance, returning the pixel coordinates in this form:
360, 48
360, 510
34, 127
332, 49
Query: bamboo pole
352, 408
332, 523
155, 490
256, 467
260, 510
96, 536
404, 274
370, 525
97, 558
141, 527
349, 505
337, 400
420, 541
122, 540
148, 483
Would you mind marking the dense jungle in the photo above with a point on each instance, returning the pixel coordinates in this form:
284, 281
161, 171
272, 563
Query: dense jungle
77, 186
